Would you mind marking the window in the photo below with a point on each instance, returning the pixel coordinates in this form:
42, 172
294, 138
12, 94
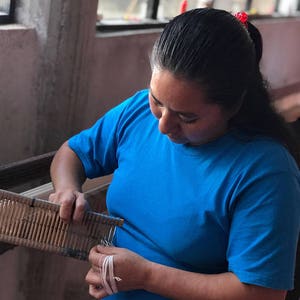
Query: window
288, 7
128, 14
7, 11
266, 7
135, 14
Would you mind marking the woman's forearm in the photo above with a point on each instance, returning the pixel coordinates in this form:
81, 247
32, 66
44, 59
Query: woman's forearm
178, 285
171, 283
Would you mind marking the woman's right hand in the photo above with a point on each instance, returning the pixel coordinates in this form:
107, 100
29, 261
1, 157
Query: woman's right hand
72, 205
68, 176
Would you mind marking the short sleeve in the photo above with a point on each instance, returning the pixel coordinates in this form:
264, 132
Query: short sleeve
265, 228
96, 146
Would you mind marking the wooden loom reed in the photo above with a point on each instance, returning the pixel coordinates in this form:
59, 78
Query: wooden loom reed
35, 223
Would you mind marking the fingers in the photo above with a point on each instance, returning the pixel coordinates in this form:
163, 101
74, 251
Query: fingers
72, 205
97, 292
96, 259
81, 206
108, 250
66, 208
98, 253
95, 285
93, 278
102, 275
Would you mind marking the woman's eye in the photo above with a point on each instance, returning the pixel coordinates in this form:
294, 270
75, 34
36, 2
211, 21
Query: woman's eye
156, 103
187, 120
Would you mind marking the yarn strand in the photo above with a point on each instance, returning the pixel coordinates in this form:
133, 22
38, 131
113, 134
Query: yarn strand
108, 277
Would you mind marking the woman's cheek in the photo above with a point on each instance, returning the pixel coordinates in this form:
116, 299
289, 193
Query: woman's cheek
155, 111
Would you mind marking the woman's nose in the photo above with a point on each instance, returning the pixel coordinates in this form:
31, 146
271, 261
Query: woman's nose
167, 122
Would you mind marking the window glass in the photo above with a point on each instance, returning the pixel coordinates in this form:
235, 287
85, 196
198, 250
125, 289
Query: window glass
127, 10
168, 9
231, 5
4, 7
266, 7
288, 7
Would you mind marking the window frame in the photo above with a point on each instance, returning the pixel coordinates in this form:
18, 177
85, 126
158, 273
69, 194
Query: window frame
10, 17
151, 21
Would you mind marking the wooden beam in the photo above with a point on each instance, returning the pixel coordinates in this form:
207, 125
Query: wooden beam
21, 172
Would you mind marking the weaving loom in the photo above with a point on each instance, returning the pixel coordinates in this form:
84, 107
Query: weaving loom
36, 224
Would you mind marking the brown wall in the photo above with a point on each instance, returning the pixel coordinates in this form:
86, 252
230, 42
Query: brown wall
18, 61
281, 61
120, 64
119, 67
47, 95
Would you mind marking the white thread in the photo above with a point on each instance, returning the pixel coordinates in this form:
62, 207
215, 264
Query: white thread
111, 274
107, 274
106, 286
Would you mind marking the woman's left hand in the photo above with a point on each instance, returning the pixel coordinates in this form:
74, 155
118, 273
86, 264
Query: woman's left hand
131, 268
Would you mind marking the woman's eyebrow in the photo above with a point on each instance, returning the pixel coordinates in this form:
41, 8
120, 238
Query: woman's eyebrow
156, 100
188, 114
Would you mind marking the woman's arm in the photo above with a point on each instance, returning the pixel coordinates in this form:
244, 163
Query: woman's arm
177, 284
139, 273
67, 176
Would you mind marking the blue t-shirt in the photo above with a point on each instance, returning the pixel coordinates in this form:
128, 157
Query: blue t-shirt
232, 204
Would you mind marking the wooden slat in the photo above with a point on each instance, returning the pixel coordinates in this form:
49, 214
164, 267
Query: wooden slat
25, 221
24, 171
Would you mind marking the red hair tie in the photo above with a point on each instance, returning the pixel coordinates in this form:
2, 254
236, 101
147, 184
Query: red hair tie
183, 6
242, 17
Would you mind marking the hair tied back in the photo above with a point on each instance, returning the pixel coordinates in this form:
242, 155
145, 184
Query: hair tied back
242, 17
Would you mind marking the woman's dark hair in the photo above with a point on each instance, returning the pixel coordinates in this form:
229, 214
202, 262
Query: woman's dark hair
213, 48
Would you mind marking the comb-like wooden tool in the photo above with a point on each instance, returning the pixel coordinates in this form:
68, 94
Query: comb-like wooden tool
35, 223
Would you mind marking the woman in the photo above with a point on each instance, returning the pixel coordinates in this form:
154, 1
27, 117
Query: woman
205, 177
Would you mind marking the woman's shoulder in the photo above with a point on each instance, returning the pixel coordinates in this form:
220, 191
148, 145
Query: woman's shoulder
135, 107
132, 106
265, 152
138, 99
129, 108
